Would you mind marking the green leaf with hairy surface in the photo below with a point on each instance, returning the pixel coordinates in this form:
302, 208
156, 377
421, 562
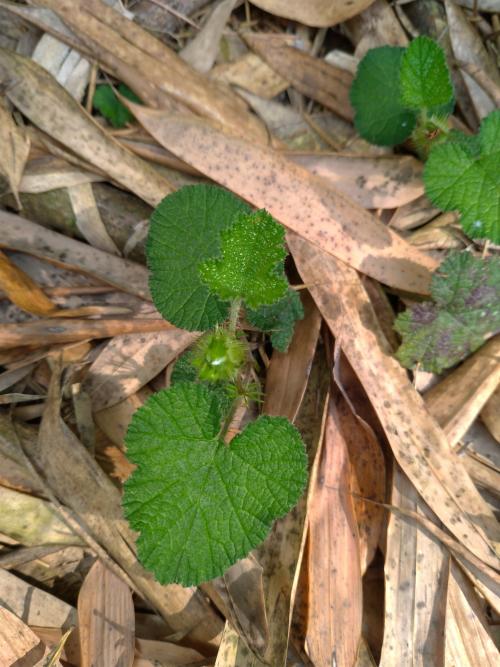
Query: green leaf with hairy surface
425, 81
460, 177
381, 117
109, 106
251, 267
185, 231
465, 312
279, 319
199, 504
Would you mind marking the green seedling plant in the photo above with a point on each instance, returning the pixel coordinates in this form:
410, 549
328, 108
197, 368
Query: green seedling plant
402, 94
198, 502
109, 106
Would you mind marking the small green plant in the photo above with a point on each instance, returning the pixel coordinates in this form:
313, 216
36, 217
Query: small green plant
404, 94
109, 106
199, 503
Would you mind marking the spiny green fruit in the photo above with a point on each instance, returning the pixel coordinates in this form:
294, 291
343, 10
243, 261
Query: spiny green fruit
218, 355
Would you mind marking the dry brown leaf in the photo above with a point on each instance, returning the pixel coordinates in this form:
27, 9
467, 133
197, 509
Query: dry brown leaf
114, 421
50, 173
137, 58
26, 236
469, 642
88, 219
105, 619
34, 605
43, 332
129, 362
31, 520
14, 148
19, 645
251, 73
51, 108
302, 202
375, 26
419, 446
373, 182
334, 567
200, 52
468, 47
151, 653
414, 214
310, 76
78, 482
456, 401
490, 414
288, 372
22, 290
416, 577
316, 13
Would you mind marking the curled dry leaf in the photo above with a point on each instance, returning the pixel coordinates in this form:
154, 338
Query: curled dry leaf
372, 182
316, 13
297, 199
311, 76
51, 108
106, 619
129, 362
14, 148
334, 567
419, 446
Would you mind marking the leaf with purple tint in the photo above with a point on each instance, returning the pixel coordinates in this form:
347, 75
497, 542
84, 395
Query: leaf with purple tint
465, 312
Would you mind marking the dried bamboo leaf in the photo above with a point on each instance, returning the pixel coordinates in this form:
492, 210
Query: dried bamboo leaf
295, 198
317, 13
14, 148
19, 645
105, 619
417, 443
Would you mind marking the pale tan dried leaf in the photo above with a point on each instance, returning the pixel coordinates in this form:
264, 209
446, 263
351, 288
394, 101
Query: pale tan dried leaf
129, 362
372, 182
442, 233
456, 401
376, 26
51, 108
416, 577
114, 421
31, 520
33, 605
252, 74
468, 47
14, 148
288, 372
105, 619
50, 173
414, 214
233, 652
51, 331
19, 645
201, 51
64, 63
310, 76
151, 653
490, 415
316, 13
419, 446
468, 639
88, 219
334, 567
26, 236
302, 202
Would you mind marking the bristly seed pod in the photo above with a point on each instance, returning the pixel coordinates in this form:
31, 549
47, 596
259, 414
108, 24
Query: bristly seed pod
218, 355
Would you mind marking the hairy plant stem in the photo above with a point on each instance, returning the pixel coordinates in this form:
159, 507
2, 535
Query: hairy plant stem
233, 315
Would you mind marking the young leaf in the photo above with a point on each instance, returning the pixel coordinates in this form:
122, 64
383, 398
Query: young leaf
459, 177
185, 231
109, 106
251, 267
424, 77
380, 116
465, 312
199, 504
279, 319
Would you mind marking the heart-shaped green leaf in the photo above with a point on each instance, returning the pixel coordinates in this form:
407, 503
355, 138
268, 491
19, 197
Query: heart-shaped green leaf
199, 504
